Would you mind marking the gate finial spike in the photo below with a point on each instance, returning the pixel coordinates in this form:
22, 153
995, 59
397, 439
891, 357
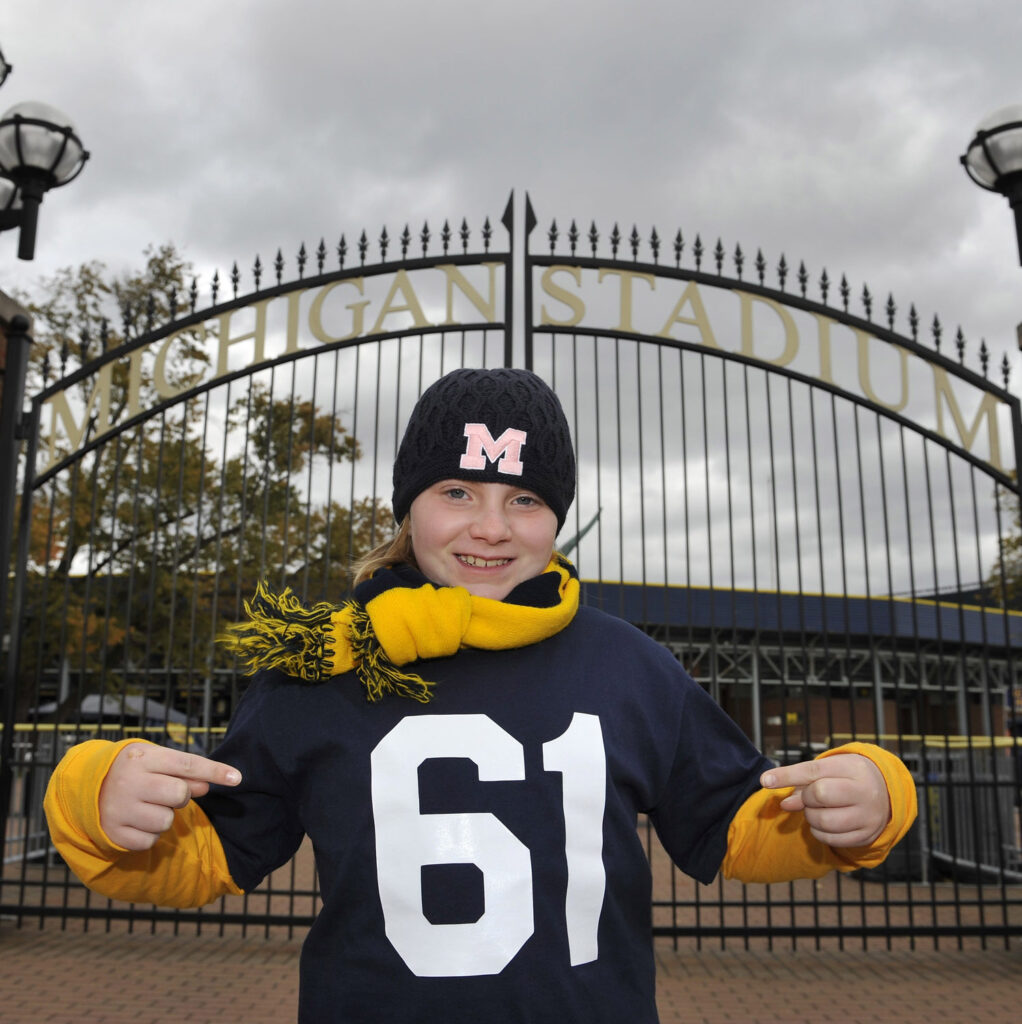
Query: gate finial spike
508, 217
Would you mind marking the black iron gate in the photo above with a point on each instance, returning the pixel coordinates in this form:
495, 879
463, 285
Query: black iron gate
819, 516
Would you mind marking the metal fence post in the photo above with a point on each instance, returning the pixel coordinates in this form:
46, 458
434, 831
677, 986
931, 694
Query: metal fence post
18, 343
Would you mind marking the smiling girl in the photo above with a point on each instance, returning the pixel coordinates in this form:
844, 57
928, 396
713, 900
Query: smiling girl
469, 749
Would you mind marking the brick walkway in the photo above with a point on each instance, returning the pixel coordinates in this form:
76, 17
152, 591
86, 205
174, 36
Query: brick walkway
66, 977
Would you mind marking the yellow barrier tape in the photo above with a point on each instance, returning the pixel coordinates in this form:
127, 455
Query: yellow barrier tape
926, 740
172, 729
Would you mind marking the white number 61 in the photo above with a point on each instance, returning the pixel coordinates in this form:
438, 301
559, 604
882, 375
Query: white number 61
406, 840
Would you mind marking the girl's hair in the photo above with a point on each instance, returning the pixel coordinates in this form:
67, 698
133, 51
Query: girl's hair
390, 552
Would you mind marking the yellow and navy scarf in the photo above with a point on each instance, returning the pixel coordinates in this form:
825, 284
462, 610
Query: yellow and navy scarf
395, 618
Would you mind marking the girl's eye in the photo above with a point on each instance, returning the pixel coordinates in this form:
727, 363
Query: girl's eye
527, 499
455, 492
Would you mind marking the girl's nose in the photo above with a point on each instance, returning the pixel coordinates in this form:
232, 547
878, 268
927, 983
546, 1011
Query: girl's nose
490, 525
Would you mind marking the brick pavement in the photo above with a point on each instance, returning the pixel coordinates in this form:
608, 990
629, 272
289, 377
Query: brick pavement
65, 977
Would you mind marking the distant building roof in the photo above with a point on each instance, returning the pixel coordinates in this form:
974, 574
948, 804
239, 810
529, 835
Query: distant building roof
901, 618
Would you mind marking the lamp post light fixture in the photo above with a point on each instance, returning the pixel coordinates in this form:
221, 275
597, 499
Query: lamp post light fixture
39, 150
994, 159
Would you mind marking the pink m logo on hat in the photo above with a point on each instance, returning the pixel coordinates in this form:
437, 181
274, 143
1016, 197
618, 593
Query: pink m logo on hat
481, 446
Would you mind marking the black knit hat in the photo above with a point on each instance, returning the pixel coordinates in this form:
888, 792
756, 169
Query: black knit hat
495, 426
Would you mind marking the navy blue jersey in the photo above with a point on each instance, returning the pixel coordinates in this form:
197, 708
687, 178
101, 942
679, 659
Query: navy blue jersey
478, 855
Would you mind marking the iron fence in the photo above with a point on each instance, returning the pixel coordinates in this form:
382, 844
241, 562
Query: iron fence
828, 560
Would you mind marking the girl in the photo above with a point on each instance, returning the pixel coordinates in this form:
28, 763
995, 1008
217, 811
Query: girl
468, 750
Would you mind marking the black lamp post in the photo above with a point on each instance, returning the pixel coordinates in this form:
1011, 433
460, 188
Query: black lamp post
39, 150
994, 159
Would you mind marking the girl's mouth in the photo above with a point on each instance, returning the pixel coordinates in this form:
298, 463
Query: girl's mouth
482, 563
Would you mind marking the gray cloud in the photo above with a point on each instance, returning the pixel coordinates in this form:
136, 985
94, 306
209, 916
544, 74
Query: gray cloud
827, 132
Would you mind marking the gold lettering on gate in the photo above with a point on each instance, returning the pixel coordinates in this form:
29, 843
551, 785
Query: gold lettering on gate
863, 340
564, 286
691, 297
790, 330
625, 295
456, 279
411, 304
357, 309
293, 307
555, 291
163, 387
257, 335
99, 398
943, 395
823, 337
135, 381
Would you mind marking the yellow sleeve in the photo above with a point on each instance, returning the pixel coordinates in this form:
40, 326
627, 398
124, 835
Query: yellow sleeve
766, 844
185, 868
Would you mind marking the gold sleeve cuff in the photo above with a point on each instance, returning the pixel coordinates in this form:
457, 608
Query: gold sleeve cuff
767, 844
185, 868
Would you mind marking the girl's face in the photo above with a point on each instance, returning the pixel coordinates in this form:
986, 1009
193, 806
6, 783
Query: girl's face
487, 538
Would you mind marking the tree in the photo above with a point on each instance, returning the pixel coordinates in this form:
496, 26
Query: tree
1004, 582
143, 546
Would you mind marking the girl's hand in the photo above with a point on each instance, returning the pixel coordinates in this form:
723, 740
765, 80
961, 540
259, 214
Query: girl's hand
844, 797
146, 783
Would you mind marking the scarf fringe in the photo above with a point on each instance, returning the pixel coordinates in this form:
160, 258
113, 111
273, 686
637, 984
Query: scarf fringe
377, 673
282, 633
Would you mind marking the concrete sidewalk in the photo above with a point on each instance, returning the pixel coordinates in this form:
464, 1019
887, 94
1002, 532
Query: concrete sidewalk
68, 977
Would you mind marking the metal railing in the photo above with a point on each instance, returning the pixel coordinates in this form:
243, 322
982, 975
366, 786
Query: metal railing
819, 561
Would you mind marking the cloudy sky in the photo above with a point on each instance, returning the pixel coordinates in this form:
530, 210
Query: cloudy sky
829, 132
